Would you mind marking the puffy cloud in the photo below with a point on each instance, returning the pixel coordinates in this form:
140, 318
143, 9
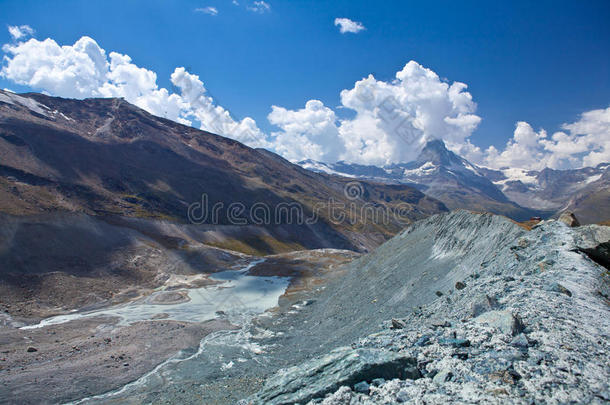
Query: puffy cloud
207, 10
310, 132
592, 131
214, 118
346, 25
393, 120
85, 70
467, 150
20, 31
396, 118
585, 142
390, 120
260, 7
70, 71
521, 151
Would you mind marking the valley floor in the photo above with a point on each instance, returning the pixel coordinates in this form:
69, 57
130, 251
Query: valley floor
86, 357
51, 358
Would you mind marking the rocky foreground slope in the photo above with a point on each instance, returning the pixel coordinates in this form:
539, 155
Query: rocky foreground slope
484, 312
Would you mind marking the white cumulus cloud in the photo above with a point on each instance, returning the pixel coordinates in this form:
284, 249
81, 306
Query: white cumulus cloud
84, 69
214, 118
207, 10
20, 31
392, 121
585, 142
523, 150
591, 130
346, 25
310, 132
76, 70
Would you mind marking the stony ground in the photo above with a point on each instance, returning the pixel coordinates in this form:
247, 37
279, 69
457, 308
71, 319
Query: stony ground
91, 356
529, 324
59, 363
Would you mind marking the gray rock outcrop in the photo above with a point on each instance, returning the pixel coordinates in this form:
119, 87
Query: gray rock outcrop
342, 367
532, 326
569, 219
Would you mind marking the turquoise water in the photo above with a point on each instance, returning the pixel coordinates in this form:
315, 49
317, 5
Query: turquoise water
236, 295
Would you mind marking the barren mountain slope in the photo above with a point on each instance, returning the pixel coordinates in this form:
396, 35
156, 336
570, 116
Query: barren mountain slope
108, 157
592, 203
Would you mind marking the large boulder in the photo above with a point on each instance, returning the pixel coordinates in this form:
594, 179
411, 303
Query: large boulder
502, 320
569, 219
341, 367
482, 304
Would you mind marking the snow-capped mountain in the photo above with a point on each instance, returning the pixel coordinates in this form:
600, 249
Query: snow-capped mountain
348, 169
548, 188
440, 173
444, 173
455, 181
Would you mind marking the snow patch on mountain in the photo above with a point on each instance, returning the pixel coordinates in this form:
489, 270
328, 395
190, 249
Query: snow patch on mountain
593, 178
31, 104
425, 169
515, 174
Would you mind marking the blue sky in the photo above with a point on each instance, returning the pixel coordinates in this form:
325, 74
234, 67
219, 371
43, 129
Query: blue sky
543, 62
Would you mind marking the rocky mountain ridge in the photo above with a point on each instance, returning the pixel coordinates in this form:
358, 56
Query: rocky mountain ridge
106, 157
546, 188
523, 320
513, 192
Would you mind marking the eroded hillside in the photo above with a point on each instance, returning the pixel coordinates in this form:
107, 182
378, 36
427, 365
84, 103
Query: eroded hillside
107, 157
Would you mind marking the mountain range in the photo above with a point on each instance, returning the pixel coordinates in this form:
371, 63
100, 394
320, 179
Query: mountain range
516, 193
108, 158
